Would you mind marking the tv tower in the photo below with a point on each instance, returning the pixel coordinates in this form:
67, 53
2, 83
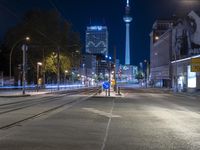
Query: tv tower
127, 19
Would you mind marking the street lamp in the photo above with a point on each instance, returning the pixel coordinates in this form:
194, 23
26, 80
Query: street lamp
66, 72
109, 58
24, 49
84, 74
38, 69
11, 51
157, 38
27, 38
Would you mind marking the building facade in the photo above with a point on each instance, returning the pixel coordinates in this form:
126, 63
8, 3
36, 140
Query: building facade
160, 53
88, 65
97, 40
172, 52
185, 47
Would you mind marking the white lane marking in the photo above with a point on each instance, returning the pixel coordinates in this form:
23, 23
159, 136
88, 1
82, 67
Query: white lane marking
107, 128
102, 113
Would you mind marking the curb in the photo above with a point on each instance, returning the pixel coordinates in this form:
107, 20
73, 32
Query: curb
45, 93
186, 94
14, 96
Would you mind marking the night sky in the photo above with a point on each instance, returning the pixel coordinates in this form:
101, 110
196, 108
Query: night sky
99, 12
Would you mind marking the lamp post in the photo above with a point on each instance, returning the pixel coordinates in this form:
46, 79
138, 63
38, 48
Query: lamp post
147, 72
73, 77
66, 72
11, 51
84, 74
24, 49
38, 70
109, 63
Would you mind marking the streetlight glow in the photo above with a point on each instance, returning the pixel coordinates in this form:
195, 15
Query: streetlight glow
157, 38
27, 38
39, 63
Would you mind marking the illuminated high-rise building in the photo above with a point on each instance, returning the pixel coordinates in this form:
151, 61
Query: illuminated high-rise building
127, 20
97, 40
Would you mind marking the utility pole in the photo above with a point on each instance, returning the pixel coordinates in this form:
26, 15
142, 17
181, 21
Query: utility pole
24, 49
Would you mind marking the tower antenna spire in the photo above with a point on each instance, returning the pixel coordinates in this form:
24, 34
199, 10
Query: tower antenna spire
127, 19
127, 3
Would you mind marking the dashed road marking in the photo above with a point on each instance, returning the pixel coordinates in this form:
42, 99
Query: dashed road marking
107, 128
102, 113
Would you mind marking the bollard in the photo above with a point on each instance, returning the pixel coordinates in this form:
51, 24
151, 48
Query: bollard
119, 91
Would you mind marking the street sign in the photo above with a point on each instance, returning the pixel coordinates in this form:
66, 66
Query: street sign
195, 65
113, 83
106, 85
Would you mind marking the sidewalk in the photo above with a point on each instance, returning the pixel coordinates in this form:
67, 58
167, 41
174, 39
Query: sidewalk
195, 94
112, 94
18, 93
170, 91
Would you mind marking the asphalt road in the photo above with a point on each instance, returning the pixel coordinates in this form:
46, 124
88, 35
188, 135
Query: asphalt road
137, 121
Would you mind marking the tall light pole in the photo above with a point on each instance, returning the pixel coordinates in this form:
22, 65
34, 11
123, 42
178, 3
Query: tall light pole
109, 69
11, 51
84, 73
24, 49
38, 70
66, 72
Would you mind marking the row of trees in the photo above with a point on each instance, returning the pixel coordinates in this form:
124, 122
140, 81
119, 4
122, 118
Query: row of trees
49, 34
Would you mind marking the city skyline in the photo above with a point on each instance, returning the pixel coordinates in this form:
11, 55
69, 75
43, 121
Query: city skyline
80, 14
99, 74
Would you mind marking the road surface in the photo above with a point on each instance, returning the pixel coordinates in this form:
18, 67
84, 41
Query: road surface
137, 121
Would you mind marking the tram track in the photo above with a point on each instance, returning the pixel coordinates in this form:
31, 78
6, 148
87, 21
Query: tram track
49, 110
10, 107
63, 93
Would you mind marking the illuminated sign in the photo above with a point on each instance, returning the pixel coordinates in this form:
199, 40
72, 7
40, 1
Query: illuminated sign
192, 79
125, 68
195, 65
96, 28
